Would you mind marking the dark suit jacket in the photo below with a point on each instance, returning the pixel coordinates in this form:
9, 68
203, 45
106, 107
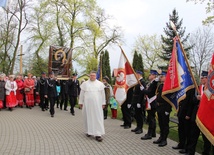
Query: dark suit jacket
41, 85
151, 91
73, 88
186, 105
138, 96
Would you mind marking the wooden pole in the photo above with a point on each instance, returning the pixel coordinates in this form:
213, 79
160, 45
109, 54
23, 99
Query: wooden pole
21, 59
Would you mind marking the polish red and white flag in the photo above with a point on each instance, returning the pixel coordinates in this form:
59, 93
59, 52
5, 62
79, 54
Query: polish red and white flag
125, 79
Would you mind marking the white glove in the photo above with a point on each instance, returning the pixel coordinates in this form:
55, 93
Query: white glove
166, 113
128, 106
157, 79
142, 87
138, 105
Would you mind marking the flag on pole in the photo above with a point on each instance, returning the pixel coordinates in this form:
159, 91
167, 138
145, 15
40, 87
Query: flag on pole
3, 3
98, 73
178, 79
205, 114
125, 79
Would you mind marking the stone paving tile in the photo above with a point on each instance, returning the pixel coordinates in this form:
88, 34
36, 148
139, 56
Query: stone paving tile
33, 132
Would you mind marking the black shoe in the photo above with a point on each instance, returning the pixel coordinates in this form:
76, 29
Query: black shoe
139, 131
162, 144
122, 125
52, 115
65, 109
72, 114
43, 109
153, 135
98, 138
127, 127
177, 147
183, 151
29, 107
157, 141
146, 137
88, 135
134, 130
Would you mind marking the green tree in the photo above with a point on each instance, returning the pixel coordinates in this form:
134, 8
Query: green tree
170, 34
209, 10
150, 48
106, 70
13, 22
137, 62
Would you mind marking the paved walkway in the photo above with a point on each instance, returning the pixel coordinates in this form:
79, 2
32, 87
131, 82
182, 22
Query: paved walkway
33, 132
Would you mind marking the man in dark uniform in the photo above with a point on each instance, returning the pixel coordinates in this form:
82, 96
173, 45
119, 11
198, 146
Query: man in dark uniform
150, 91
42, 84
137, 103
163, 111
73, 92
64, 94
51, 92
195, 131
184, 114
126, 110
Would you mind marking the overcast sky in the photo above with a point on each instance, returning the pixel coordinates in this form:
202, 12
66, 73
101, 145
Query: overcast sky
141, 17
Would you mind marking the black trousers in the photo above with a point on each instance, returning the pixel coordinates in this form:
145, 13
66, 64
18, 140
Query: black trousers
127, 119
73, 102
64, 99
138, 115
193, 139
183, 132
163, 121
105, 111
43, 102
52, 104
152, 122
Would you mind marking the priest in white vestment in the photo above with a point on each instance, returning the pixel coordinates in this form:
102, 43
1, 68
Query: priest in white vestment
92, 102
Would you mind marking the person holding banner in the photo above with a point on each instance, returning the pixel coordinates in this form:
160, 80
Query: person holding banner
126, 110
163, 111
195, 131
184, 115
151, 104
138, 102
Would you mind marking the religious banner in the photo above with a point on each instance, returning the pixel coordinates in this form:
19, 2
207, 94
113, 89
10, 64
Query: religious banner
60, 61
205, 114
124, 80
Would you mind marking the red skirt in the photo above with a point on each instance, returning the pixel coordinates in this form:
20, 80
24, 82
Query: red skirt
29, 99
19, 98
37, 99
1, 104
11, 100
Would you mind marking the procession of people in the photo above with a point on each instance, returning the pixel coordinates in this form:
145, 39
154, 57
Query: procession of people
94, 99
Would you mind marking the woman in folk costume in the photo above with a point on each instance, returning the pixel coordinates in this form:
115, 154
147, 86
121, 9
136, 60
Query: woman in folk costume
28, 88
20, 91
11, 88
2, 91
